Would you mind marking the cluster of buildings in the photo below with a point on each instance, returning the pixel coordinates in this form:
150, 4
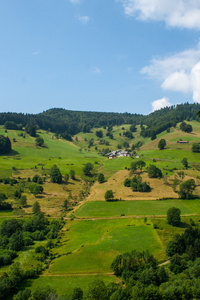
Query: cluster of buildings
118, 153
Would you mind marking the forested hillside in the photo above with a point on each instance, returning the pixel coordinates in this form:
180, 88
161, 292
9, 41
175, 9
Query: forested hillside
62, 121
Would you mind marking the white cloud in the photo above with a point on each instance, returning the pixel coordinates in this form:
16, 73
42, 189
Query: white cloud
175, 13
84, 19
195, 81
160, 103
179, 72
96, 70
177, 81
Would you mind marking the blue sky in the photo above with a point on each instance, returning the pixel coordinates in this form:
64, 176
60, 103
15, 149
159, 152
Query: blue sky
98, 55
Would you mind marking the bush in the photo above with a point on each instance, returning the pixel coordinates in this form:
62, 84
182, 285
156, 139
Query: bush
5, 145
162, 144
127, 182
186, 189
101, 178
196, 147
174, 216
36, 207
39, 141
109, 195
87, 169
154, 172
55, 175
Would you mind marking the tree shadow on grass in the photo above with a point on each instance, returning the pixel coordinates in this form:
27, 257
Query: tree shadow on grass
11, 153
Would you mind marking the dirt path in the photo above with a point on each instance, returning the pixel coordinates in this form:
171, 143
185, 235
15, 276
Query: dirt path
126, 217
110, 274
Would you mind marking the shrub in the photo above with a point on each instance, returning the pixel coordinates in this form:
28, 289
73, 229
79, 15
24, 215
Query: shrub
109, 195
174, 216
55, 175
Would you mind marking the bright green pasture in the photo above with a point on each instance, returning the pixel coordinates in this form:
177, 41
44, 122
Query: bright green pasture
135, 208
118, 164
171, 154
91, 245
64, 154
66, 284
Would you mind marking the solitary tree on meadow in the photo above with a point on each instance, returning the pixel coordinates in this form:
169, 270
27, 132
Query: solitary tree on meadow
162, 144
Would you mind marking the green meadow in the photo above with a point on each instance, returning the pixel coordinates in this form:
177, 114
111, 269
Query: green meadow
100, 230
98, 209
64, 154
66, 284
91, 245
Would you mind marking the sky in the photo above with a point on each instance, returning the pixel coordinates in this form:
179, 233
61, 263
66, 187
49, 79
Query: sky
132, 56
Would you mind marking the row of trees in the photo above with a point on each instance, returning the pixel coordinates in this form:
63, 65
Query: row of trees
70, 123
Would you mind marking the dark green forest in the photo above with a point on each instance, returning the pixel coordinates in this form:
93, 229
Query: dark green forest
68, 123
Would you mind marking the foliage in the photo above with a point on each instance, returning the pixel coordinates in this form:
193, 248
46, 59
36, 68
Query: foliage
35, 189
133, 128
186, 189
153, 135
128, 134
65, 204
154, 172
10, 125
162, 144
186, 127
97, 291
36, 207
66, 177
55, 175
174, 216
101, 178
37, 178
196, 147
138, 186
109, 195
42, 293
127, 182
77, 294
185, 162
23, 200
99, 133
87, 169
31, 129
39, 141
5, 145
4, 205
72, 174
137, 164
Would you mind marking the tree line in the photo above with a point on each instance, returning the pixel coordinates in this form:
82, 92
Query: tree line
69, 123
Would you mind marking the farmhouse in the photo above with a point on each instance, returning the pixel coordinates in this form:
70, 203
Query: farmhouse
182, 142
118, 153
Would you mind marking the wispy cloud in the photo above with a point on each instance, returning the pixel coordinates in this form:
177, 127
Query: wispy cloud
179, 13
84, 19
35, 53
96, 70
179, 72
160, 103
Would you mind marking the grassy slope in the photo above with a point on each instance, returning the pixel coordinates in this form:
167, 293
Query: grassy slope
94, 244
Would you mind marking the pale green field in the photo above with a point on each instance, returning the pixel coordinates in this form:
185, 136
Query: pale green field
65, 284
64, 154
91, 246
136, 208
